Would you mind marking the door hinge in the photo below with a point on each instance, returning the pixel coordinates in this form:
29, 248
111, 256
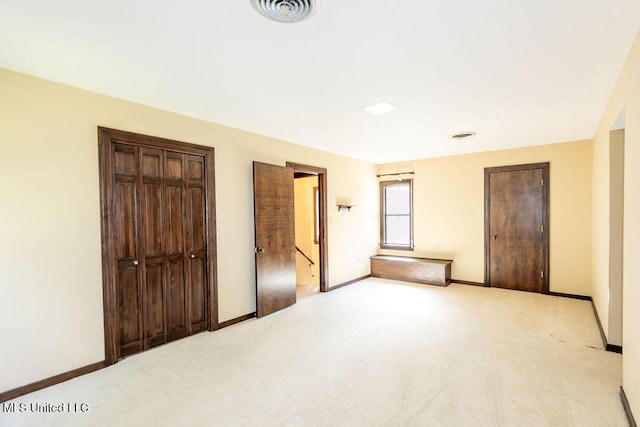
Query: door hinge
542, 228
542, 182
542, 274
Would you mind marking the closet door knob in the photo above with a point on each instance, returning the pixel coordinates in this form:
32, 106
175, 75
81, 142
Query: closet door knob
135, 262
192, 256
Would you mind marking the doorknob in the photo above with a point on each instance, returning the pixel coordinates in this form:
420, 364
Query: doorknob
135, 262
192, 256
494, 237
258, 250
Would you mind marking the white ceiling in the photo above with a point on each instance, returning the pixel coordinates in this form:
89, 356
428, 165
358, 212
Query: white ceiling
516, 72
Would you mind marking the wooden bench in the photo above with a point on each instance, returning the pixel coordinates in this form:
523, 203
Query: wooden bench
412, 269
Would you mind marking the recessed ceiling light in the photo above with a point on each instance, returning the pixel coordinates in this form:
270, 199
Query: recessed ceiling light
380, 108
463, 135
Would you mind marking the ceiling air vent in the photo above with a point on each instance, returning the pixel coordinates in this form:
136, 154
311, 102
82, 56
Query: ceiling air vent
288, 11
463, 135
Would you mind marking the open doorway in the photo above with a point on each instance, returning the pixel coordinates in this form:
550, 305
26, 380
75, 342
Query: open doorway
307, 239
310, 222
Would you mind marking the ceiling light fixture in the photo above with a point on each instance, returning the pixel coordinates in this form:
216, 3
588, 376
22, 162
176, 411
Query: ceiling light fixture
380, 108
463, 135
287, 11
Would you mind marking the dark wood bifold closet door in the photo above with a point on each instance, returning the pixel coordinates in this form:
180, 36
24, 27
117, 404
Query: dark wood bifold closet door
159, 232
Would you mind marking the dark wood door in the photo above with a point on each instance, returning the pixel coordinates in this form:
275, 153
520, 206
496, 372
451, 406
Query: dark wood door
158, 240
274, 238
126, 195
159, 214
197, 244
153, 246
516, 227
175, 237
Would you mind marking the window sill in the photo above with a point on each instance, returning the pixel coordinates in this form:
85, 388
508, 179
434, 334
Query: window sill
397, 248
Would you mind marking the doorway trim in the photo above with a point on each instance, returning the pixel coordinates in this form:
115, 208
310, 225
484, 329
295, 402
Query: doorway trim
616, 236
545, 216
106, 137
322, 189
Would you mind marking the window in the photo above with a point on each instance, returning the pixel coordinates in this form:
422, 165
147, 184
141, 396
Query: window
396, 214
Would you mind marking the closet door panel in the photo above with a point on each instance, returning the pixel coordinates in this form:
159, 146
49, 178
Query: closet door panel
175, 220
197, 219
176, 313
155, 330
198, 243
125, 221
175, 216
152, 229
129, 310
198, 295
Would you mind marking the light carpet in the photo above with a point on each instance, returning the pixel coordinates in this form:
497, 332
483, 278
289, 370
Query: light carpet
375, 353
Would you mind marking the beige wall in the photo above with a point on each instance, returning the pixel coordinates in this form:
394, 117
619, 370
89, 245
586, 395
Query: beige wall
449, 210
305, 274
616, 231
50, 269
624, 99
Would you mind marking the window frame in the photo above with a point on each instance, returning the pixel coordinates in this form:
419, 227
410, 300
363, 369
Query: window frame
383, 215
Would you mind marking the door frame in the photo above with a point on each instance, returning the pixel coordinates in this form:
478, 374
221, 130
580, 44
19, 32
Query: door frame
323, 267
106, 137
616, 235
545, 218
